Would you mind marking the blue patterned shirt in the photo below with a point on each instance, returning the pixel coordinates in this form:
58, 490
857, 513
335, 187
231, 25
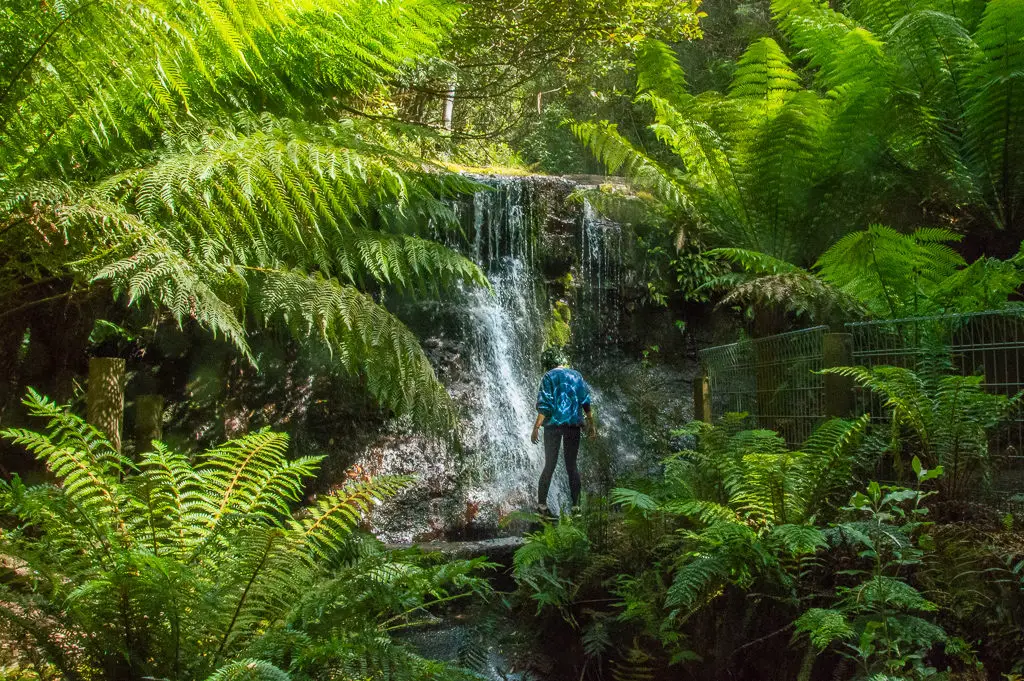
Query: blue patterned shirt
563, 394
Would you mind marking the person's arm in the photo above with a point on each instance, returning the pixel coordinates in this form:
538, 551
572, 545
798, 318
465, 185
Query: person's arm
535, 436
583, 394
588, 416
545, 406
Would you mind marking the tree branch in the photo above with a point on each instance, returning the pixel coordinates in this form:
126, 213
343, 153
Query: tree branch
25, 306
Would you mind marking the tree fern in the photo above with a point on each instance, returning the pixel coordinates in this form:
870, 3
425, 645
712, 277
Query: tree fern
750, 169
945, 72
215, 166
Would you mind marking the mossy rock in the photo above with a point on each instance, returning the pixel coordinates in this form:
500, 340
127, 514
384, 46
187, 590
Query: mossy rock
558, 329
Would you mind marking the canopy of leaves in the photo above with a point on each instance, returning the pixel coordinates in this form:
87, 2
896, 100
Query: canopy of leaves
212, 177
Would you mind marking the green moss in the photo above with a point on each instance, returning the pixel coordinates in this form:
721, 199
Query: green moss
557, 330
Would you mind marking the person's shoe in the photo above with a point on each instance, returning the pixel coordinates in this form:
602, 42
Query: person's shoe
544, 512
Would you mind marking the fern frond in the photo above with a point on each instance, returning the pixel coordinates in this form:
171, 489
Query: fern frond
658, 72
249, 670
799, 540
87, 468
994, 138
764, 77
824, 626
327, 526
237, 474
692, 582
364, 337
898, 272
620, 156
634, 500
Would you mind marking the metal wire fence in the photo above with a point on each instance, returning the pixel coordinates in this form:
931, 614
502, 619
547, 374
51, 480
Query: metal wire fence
772, 379
988, 344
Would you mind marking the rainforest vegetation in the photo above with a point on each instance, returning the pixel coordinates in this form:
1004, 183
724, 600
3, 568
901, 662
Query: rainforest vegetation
236, 237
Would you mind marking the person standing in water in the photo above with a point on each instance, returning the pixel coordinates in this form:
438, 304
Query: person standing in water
563, 408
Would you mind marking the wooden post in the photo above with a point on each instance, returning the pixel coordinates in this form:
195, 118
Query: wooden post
104, 401
702, 398
149, 421
838, 352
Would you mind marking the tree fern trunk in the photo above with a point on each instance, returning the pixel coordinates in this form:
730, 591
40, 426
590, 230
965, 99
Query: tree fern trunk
449, 106
807, 666
149, 414
105, 397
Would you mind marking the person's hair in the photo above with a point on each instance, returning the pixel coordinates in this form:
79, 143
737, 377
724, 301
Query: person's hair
554, 356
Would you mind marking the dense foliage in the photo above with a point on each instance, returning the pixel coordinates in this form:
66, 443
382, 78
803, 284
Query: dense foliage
744, 542
878, 112
206, 567
248, 182
213, 177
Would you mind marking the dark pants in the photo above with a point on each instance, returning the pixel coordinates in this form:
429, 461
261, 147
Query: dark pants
554, 436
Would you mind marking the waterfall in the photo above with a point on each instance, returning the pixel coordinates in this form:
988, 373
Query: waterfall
601, 247
526, 235
505, 334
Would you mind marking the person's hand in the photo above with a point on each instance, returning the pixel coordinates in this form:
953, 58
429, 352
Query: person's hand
535, 436
591, 429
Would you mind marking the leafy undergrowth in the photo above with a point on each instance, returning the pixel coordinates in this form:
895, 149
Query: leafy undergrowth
748, 560
206, 567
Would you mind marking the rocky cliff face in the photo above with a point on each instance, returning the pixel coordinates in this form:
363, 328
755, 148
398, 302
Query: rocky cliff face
558, 272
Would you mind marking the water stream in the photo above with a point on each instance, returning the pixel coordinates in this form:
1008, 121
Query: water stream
505, 329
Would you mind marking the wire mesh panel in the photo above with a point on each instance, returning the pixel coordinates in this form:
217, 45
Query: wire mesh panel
990, 344
772, 379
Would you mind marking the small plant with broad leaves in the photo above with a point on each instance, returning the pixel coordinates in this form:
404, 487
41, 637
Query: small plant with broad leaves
879, 619
210, 566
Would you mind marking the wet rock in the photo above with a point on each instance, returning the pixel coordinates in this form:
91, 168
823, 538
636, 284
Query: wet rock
499, 549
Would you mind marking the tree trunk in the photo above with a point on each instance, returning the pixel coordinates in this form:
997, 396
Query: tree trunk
449, 106
105, 397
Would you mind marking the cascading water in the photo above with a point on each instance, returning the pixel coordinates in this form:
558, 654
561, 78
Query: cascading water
601, 244
526, 236
506, 331
505, 335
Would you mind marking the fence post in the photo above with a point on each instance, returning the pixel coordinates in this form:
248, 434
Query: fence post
702, 397
837, 351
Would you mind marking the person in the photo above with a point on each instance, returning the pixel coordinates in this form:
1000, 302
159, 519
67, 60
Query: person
563, 407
